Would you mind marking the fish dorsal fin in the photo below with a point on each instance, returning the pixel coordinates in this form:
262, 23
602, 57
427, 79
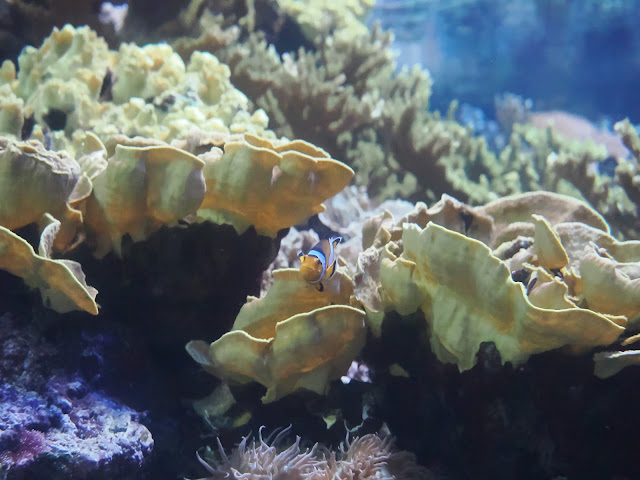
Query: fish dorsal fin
332, 269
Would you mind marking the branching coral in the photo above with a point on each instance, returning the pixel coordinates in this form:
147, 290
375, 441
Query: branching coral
627, 173
345, 97
334, 97
357, 108
542, 159
307, 96
360, 110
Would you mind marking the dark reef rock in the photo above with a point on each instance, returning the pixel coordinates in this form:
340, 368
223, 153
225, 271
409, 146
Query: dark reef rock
549, 418
52, 425
181, 283
67, 378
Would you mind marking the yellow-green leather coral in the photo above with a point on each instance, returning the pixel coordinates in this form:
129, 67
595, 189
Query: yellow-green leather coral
319, 17
60, 82
68, 54
606, 286
256, 182
292, 338
74, 83
288, 296
515, 284
61, 282
11, 109
145, 72
35, 181
470, 298
307, 351
141, 189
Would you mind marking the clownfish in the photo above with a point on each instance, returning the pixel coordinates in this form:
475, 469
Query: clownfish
320, 262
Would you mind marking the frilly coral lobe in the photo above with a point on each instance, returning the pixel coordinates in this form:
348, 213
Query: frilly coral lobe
160, 171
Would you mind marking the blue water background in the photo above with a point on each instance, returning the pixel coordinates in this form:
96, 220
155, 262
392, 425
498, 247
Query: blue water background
581, 56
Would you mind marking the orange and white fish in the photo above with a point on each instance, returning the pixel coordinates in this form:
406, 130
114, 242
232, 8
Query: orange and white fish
320, 262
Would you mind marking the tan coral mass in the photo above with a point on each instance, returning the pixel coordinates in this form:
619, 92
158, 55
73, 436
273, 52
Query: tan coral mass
606, 288
311, 349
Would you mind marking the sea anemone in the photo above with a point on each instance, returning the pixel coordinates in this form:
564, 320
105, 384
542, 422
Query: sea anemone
261, 460
365, 458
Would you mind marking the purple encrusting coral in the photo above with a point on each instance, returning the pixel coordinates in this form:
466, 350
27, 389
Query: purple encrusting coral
53, 425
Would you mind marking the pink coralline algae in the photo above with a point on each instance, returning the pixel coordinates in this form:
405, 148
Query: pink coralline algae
28, 444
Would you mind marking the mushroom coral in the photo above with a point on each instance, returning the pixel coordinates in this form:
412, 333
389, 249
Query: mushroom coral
34, 181
250, 182
140, 187
470, 298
